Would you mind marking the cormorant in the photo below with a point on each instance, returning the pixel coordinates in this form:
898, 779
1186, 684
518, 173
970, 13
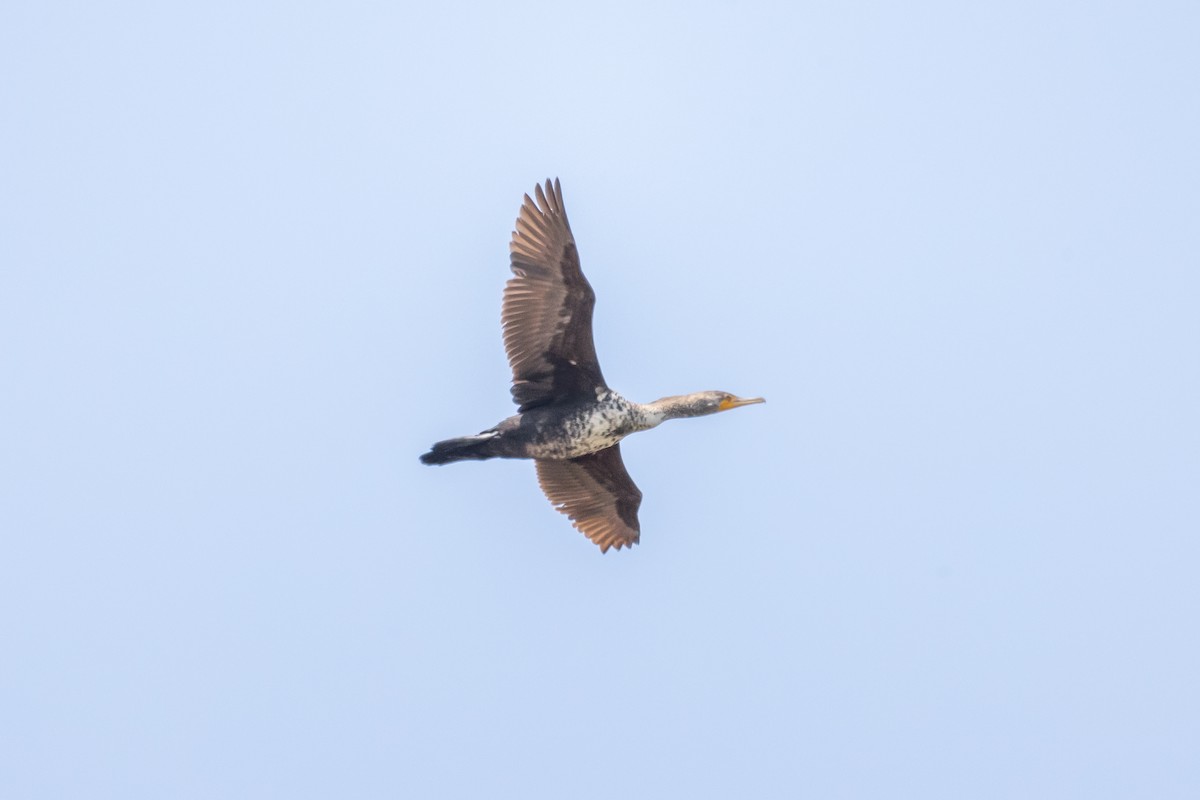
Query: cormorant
568, 420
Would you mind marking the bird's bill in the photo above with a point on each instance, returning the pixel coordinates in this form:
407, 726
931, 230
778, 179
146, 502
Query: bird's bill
734, 402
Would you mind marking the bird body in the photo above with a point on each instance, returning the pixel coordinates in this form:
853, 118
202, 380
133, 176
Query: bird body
573, 429
560, 431
578, 428
569, 421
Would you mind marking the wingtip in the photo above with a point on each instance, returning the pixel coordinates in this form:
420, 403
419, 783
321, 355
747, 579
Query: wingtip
555, 194
549, 198
616, 545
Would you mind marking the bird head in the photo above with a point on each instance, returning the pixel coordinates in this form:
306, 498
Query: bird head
703, 403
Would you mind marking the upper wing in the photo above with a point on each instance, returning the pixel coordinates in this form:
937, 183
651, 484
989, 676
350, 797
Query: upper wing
547, 312
597, 494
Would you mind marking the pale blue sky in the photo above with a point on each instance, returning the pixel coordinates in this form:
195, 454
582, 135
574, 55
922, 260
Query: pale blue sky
252, 257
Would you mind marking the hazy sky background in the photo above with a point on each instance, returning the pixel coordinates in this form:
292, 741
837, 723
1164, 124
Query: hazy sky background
251, 257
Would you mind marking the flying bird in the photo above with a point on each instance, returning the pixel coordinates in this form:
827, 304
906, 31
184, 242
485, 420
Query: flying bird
568, 420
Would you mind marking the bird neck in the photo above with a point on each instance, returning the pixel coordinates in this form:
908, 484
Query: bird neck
666, 408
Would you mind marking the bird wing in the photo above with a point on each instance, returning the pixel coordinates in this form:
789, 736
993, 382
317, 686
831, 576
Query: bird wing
547, 311
597, 494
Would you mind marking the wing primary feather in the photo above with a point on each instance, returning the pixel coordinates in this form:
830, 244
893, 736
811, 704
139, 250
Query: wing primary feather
597, 494
548, 305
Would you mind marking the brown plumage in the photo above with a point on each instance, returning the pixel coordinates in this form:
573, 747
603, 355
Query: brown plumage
547, 321
598, 495
547, 310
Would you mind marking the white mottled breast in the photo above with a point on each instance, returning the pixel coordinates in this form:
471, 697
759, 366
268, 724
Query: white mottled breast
588, 428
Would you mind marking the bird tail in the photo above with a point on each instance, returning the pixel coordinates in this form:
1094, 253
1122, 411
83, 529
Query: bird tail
460, 449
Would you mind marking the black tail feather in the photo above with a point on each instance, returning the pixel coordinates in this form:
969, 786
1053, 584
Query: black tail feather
460, 449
